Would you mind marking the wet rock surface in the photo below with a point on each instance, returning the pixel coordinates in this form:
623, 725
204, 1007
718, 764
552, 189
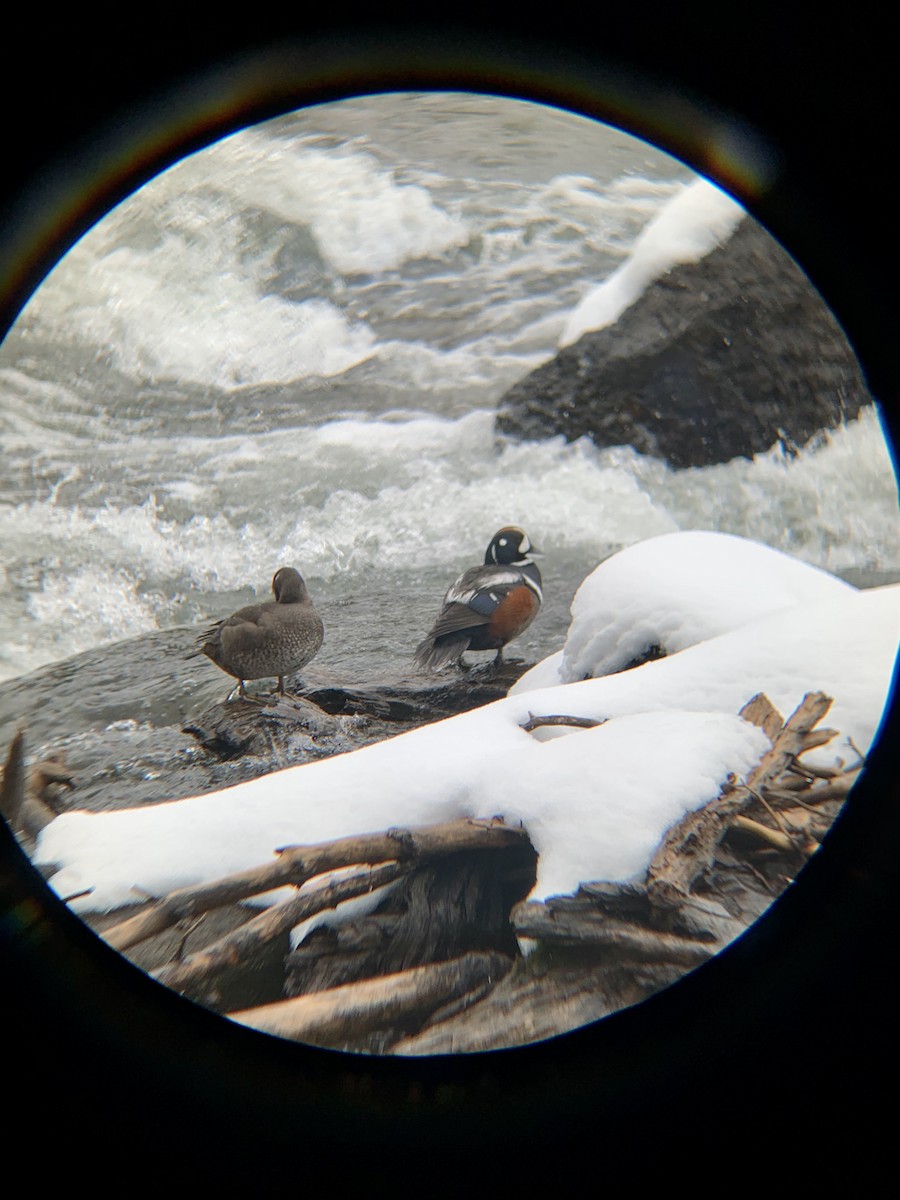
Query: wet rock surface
137, 723
718, 359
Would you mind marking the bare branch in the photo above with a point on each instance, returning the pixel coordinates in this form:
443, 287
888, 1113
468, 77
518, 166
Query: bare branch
688, 848
534, 722
759, 710
780, 839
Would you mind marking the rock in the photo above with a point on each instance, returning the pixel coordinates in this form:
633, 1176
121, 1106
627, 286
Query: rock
138, 722
323, 719
231, 729
718, 359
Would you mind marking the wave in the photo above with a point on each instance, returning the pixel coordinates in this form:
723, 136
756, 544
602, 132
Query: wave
409, 492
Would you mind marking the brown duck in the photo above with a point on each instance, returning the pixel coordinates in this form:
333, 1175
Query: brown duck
266, 641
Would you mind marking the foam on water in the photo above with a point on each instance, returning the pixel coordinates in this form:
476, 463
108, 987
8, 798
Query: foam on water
181, 280
184, 313
408, 492
834, 505
268, 259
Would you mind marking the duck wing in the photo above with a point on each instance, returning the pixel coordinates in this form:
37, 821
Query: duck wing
246, 618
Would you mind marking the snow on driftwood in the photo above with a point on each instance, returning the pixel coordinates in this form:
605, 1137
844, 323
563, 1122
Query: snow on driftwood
595, 802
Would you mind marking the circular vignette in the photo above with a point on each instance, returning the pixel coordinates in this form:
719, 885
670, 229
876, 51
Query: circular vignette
763, 1017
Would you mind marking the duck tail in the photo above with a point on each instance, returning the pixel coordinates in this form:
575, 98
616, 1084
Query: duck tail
202, 641
436, 653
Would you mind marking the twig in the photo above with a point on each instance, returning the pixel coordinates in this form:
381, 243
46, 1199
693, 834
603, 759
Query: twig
785, 797
178, 955
688, 848
809, 773
758, 795
534, 722
780, 839
856, 750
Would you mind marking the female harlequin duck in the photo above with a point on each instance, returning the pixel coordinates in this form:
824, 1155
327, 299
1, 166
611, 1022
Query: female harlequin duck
267, 640
487, 606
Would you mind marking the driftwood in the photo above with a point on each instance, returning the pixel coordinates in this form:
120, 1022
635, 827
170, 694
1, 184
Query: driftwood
295, 865
454, 979
383, 858
559, 719
688, 848
31, 797
279, 918
339, 1016
614, 944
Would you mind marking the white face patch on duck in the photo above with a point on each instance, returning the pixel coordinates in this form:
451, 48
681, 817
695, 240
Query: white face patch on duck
508, 547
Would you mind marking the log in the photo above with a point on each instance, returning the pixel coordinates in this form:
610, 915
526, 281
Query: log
343, 1016
609, 946
759, 710
597, 930
230, 951
297, 864
542, 996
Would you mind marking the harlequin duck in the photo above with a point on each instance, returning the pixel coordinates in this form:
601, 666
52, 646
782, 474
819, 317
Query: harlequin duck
487, 606
267, 640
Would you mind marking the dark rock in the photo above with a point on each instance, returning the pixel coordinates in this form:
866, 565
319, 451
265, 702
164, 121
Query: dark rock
138, 722
240, 727
718, 359
323, 719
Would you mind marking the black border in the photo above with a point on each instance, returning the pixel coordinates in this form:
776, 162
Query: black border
775, 1063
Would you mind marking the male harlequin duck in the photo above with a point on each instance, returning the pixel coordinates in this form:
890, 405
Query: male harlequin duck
267, 640
487, 606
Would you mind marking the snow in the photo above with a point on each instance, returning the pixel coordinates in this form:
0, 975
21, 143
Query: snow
673, 591
736, 618
699, 218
